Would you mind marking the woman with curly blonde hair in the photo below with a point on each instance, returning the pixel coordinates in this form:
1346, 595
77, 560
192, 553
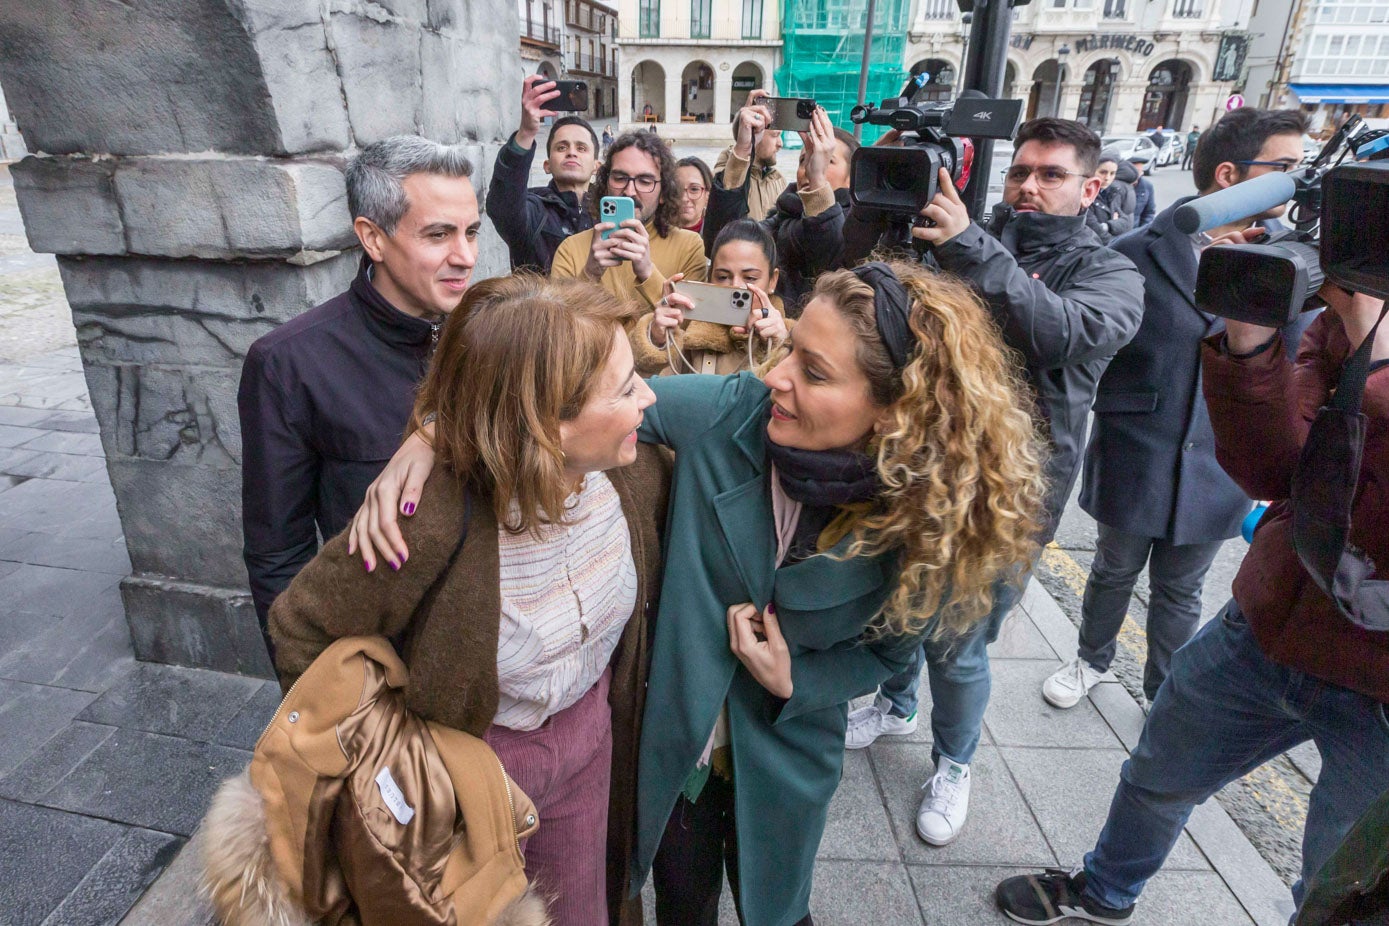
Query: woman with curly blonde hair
875, 489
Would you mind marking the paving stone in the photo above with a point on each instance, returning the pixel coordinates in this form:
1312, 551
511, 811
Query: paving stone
1019, 638
191, 703
42, 771
53, 591
960, 896
176, 898
1189, 898
33, 883
9, 482
87, 653
1017, 715
85, 423
74, 442
45, 501
31, 715
14, 435
250, 722
857, 826
1069, 792
32, 464
1000, 830
858, 893
66, 552
145, 779
117, 880
922, 734
23, 417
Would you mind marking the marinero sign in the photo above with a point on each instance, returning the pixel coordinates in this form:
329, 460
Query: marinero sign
1137, 44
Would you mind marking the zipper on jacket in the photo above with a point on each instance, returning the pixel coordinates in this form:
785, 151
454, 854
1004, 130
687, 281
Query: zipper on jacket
283, 701
434, 336
511, 805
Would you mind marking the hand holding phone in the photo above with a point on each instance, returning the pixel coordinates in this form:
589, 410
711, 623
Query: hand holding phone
719, 305
790, 113
615, 209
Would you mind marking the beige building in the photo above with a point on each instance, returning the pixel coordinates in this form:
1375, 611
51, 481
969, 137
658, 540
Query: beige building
687, 65
1124, 65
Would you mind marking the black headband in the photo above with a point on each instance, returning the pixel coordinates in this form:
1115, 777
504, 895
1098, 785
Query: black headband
892, 306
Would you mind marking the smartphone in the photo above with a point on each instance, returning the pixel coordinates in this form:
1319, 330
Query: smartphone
790, 113
615, 209
573, 97
721, 305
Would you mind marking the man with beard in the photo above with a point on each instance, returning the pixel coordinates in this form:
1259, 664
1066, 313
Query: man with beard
1066, 304
752, 158
534, 221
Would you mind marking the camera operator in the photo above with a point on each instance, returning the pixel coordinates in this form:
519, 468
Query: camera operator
807, 220
534, 221
1151, 479
1281, 664
1066, 303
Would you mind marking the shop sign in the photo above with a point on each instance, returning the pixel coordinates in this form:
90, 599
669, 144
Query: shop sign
1116, 42
744, 83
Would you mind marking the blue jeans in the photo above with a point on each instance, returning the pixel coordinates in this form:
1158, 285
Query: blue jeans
1224, 710
959, 678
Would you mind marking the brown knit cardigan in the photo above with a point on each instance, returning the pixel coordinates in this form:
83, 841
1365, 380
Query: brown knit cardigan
445, 623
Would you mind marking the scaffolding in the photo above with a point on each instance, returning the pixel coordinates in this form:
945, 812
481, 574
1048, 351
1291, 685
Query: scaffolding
822, 52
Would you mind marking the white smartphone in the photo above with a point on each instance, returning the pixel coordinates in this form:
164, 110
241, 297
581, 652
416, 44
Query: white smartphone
721, 305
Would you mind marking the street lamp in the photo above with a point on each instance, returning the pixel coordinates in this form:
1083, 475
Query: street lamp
965, 20
1061, 54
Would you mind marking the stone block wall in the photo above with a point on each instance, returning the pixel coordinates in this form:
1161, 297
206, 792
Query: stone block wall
188, 172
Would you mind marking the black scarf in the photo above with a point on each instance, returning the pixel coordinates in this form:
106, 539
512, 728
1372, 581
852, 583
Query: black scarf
825, 478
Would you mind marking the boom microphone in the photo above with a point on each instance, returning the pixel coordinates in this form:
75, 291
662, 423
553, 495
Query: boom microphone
1241, 201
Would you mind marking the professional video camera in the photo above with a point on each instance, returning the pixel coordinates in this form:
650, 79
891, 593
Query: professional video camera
901, 180
1344, 203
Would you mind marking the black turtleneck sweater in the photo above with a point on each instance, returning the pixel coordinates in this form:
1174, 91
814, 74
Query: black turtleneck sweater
324, 401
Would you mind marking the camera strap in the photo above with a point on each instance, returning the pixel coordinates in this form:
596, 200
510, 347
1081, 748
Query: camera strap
1323, 492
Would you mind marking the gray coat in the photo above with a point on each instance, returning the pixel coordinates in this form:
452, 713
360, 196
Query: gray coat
1066, 303
1150, 467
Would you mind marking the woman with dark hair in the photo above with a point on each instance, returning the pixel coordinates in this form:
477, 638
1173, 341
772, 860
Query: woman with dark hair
634, 262
664, 342
693, 180
522, 615
870, 491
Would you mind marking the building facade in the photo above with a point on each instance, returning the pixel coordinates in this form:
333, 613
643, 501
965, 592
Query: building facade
687, 65
1331, 58
573, 40
1120, 66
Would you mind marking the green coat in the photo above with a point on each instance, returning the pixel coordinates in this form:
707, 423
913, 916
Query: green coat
720, 550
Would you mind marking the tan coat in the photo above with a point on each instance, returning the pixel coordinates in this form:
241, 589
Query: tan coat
681, 251
767, 182
310, 832
444, 617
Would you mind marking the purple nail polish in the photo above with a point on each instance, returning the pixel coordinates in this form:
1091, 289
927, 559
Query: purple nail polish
409, 508
366, 565
395, 565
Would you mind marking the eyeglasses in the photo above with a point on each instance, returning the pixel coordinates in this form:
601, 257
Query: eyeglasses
694, 189
1048, 178
1281, 166
645, 183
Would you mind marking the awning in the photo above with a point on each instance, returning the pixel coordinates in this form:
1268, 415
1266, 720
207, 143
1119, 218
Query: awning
1341, 93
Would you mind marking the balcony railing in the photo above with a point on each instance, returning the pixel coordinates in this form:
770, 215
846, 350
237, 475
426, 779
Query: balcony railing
937, 10
540, 32
1188, 9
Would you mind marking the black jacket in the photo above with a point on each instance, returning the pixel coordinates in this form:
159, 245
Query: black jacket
1150, 468
324, 401
805, 246
1144, 202
1066, 303
1100, 218
532, 221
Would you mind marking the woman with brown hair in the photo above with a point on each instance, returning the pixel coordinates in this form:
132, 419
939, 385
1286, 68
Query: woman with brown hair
531, 632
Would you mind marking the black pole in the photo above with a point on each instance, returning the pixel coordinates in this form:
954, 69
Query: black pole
988, 57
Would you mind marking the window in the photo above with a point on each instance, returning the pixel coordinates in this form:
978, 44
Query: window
1115, 9
649, 16
752, 19
1188, 9
701, 18
936, 10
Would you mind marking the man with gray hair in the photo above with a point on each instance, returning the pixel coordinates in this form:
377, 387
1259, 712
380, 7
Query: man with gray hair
325, 397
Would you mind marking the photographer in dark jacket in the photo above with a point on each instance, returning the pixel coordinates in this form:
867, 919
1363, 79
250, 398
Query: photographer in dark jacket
808, 220
1281, 664
325, 398
1066, 304
534, 221
1151, 479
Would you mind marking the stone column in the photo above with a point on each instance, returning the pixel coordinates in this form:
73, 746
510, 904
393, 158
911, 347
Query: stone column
675, 86
188, 174
723, 96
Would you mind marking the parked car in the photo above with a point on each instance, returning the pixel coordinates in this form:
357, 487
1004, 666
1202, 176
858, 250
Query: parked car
1173, 147
1126, 146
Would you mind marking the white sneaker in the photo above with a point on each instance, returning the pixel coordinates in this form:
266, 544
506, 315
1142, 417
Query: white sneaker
868, 723
1068, 684
946, 804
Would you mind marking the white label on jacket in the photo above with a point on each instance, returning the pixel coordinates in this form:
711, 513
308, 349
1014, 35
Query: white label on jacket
395, 800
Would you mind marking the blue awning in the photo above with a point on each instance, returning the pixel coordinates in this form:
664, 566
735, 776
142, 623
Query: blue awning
1341, 93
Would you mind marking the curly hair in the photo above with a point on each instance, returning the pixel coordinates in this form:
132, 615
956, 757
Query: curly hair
960, 460
668, 206
520, 354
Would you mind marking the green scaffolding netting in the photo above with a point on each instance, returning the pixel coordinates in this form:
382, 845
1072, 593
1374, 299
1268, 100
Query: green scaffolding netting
822, 53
